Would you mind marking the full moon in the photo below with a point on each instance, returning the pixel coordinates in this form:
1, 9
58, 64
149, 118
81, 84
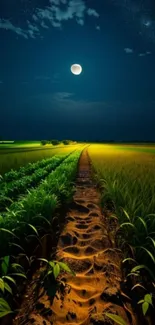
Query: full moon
76, 69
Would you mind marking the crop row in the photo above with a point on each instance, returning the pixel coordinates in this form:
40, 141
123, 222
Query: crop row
30, 168
29, 230
10, 191
55, 190
128, 183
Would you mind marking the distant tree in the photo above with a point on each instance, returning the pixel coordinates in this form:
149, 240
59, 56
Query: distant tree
66, 142
43, 142
55, 142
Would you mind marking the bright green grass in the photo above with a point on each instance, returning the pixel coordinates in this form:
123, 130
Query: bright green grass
137, 148
15, 159
127, 177
18, 144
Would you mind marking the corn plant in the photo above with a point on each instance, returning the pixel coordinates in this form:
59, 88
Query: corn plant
56, 190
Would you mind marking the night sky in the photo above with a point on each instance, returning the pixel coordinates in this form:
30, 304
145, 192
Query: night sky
113, 97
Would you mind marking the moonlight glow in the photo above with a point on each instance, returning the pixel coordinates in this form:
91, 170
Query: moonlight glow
76, 69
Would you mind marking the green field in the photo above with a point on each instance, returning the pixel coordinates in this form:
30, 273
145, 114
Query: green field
14, 158
36, 183
19, 144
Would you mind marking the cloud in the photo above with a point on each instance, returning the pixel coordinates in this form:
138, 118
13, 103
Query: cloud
61, 96
128, 50
31, 32
98, 27
141, 54
57, 12
1, 82
144, 54
92, 12
6, 24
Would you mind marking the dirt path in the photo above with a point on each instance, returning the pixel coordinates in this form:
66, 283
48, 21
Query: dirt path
86, 247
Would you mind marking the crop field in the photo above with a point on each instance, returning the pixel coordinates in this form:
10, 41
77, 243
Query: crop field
51, 201
14, 158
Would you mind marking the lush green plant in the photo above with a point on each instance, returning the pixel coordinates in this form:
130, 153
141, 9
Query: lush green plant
127, 180
146, 303
10, 191
56, 189
15, 158
50, 276
4, 308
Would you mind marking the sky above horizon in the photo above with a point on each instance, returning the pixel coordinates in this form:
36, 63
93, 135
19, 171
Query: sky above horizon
113, 97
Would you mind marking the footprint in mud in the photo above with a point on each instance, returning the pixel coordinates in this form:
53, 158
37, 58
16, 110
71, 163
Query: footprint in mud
66, 240
81, 226
72, 250
101, 243
80, 201
93, 214
77, 207
86, 236
70, 219
90, 250
79, 266
92, 206
93, 229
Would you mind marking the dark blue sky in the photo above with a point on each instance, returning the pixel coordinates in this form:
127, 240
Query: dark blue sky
113, 98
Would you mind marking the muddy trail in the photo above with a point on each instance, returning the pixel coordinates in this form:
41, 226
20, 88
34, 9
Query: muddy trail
87, 246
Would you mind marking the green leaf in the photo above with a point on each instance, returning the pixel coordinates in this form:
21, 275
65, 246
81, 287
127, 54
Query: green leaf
9, 278
5, 312
8, 231
139, 267
7, 287
4, 305
16, 266
153, 241
140, 301
126, 214
51, 264
56, 270
43, 218
16, 245
149, 253
145, 307
128, 224
2, 285
5, 264
129, 259
117, 319
34, 229
148, 298
43, 260
66, 268
20, 274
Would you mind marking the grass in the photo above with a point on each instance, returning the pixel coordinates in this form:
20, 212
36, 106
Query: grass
14, 144
15, 183
16, 159
55, 190
127, 178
